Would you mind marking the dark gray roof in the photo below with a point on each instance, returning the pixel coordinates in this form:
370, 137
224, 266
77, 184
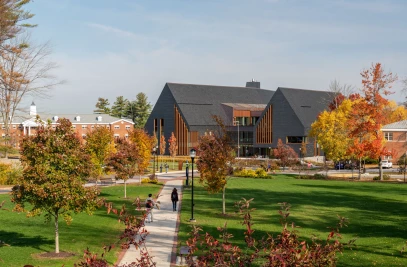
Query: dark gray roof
307, 104
199, 102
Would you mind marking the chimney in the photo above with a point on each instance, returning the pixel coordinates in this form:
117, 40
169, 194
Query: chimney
33, 109
253, 84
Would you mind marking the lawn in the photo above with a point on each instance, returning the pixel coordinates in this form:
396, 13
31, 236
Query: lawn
377, 213
28, 237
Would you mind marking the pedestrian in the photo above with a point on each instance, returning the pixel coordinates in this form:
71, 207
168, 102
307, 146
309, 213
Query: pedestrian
149, 208
174, 199
166, 167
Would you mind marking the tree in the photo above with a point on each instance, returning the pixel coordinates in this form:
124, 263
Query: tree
55, 167
125, 161
162, 145
173, 147
144, 143
102, 106
100, 145
24, 71
284, 153
11, 16
119, 107
139, 110
215, 160
339, 92
331, 131
368, 115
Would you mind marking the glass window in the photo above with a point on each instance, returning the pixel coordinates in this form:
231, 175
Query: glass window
127, 127
296, 139
84, 126
388, 136
117, 126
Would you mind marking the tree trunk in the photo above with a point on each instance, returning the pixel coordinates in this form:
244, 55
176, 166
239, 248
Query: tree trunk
380, 169
125, 189
56, 234
224, 200
360, 168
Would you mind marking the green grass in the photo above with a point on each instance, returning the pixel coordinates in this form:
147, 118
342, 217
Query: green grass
377, 214
28, 237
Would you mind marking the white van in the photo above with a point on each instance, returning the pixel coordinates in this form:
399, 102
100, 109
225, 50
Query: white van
386, 164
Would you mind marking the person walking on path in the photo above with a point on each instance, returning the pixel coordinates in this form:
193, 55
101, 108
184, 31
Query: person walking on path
149, 208
174, 199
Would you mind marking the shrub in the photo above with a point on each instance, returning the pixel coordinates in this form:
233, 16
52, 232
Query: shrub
319, 176
376, 178
386, 177
259, 173
145, 180
9, 173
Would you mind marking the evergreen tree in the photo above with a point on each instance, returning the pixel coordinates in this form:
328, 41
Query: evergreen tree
102, 106
119, 107
139, 110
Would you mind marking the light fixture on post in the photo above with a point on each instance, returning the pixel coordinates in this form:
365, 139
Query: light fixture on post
238, 138
192, 154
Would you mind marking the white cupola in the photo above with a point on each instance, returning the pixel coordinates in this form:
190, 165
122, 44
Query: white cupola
33, 109
99, 118
78, 118
55, 118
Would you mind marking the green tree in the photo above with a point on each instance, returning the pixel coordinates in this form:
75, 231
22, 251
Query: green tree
100, 145
119, 107
102, 106
55, 166
215, 161
139, 110
125, 161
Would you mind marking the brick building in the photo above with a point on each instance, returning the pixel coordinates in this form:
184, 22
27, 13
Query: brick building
396, 138
82, 123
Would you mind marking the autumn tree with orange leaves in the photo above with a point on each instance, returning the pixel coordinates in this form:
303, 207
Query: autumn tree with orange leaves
368, 115
144, 143
285, 153
173, 147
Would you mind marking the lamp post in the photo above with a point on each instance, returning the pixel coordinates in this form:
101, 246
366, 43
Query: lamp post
192, 154
156, 149
238, 139
154, 161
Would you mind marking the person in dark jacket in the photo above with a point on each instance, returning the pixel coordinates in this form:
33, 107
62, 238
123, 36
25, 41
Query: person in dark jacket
174, 199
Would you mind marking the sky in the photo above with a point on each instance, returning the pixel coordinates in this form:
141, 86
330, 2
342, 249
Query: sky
111, 48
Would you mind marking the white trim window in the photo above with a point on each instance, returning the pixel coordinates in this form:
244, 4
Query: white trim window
117, 127
127, 127
116, 135
388, 136
84, 126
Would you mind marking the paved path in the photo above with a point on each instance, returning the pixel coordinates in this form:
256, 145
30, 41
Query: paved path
163, 230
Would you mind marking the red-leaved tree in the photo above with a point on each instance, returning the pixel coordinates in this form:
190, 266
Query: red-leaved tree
173, 147
285, 153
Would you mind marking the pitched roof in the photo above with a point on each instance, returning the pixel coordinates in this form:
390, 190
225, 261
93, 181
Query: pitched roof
307, 104
399, 125
199, 102
84, 118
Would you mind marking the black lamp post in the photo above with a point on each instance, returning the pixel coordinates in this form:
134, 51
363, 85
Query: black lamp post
192, 154
156, 149
154, 161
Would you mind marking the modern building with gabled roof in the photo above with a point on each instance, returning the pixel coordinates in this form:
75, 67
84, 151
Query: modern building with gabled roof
288, 116
188, 109
255, 118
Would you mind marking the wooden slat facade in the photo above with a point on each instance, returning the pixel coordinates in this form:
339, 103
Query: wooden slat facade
264, 130
181, 133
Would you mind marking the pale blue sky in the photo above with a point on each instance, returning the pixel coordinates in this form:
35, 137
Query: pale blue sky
109, 48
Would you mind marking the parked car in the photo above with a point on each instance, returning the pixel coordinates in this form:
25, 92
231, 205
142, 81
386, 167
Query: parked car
387, 164
340, 165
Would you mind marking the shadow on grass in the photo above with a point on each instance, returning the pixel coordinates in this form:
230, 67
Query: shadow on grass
15, 239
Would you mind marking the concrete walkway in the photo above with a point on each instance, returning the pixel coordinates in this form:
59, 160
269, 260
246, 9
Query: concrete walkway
162, 232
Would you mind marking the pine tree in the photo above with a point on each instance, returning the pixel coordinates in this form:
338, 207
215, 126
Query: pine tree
139, 110
102, 106
119, 107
